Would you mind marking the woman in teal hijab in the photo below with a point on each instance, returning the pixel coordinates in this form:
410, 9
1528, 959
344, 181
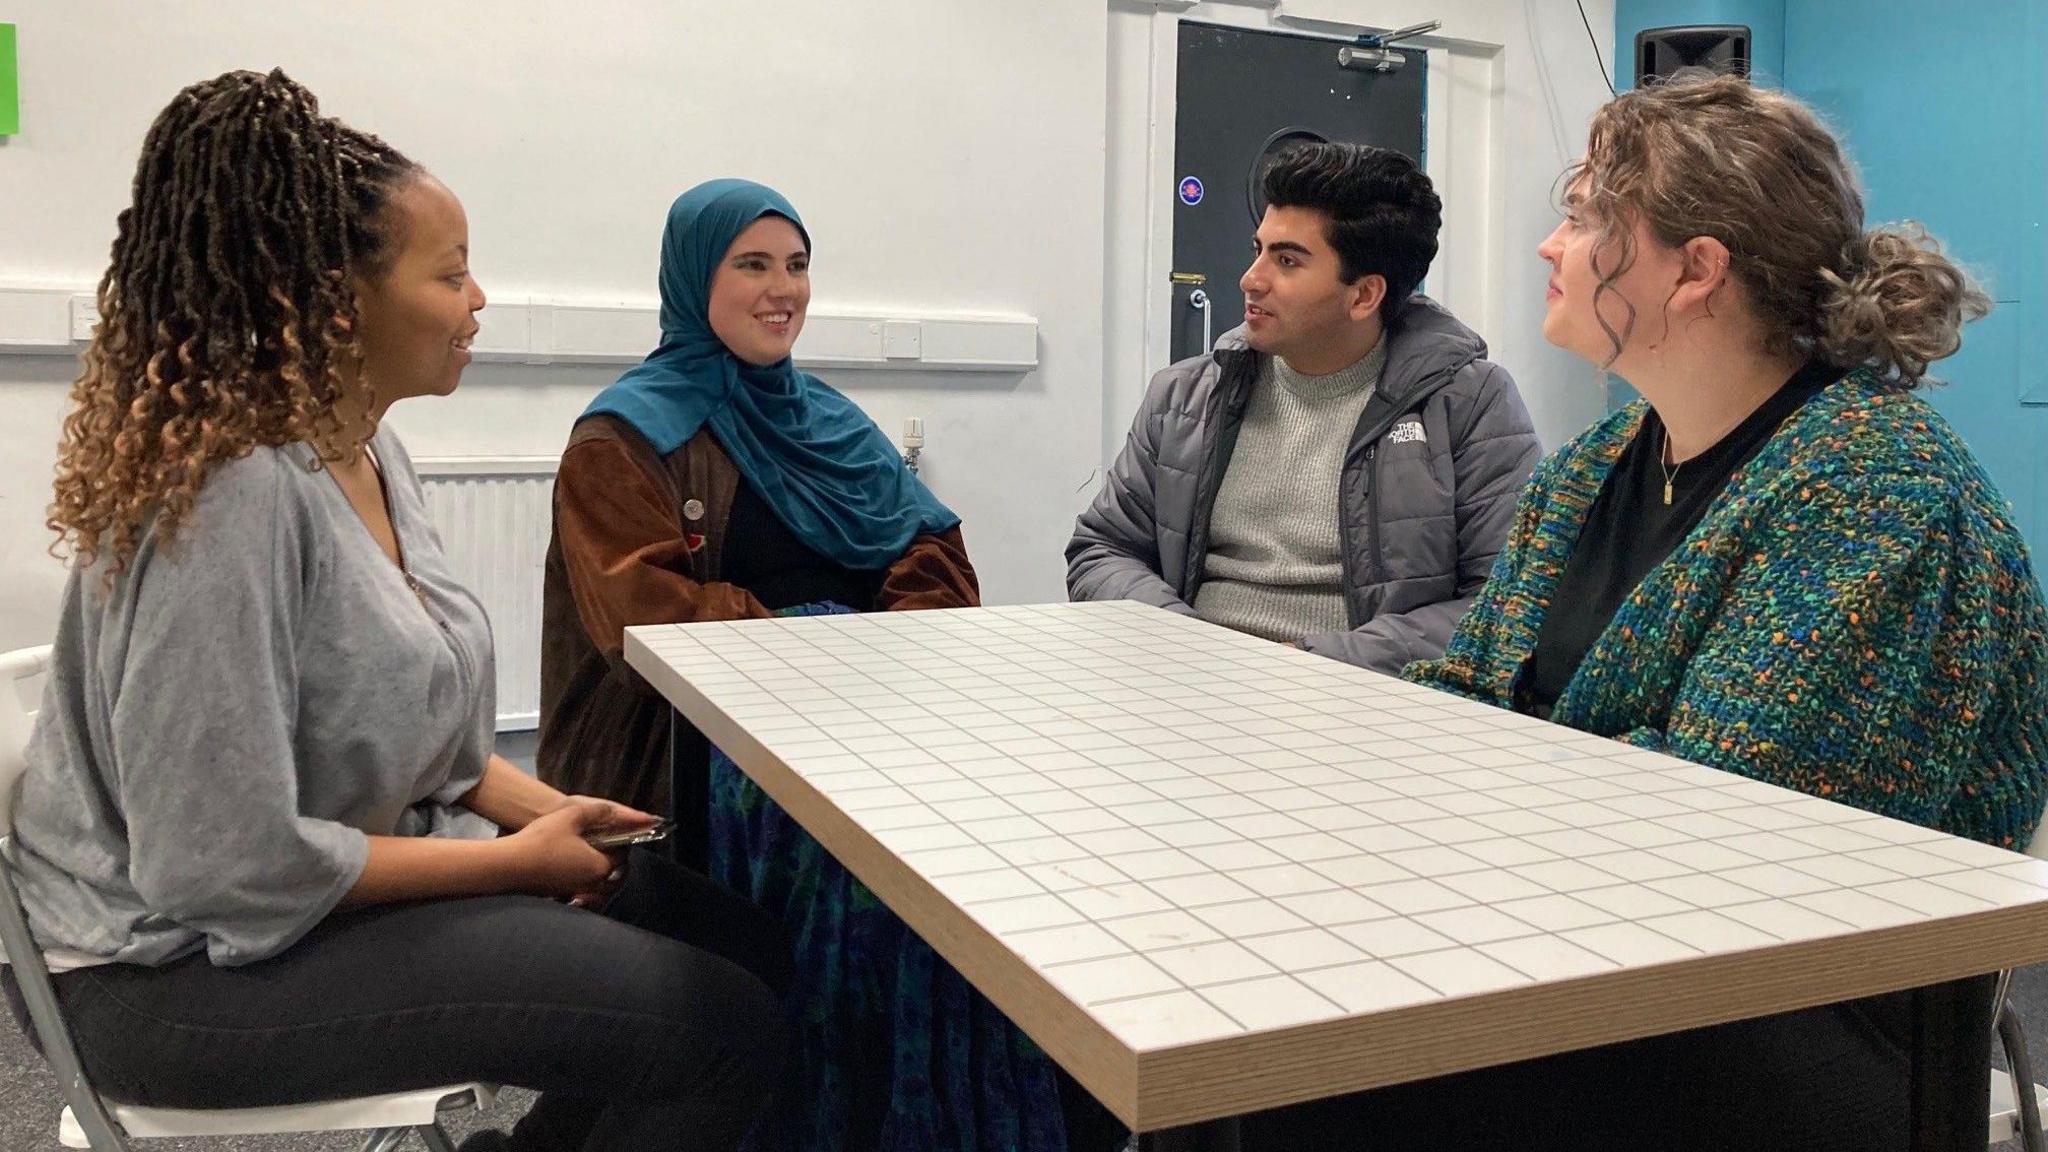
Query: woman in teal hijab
828, 473
717, 481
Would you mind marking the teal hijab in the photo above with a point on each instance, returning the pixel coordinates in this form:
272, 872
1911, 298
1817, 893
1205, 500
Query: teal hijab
811, 454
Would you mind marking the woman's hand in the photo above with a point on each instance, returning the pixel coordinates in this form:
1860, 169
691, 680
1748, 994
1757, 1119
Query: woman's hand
616, 817
547, 856
552, 858
511, 799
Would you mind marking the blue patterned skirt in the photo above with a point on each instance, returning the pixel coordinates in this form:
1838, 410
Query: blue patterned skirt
893, 1050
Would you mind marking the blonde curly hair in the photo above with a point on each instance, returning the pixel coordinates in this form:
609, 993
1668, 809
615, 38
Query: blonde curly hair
227, 313
1711, 155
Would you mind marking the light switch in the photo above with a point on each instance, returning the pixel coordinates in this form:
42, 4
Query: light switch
902, 339
85, 313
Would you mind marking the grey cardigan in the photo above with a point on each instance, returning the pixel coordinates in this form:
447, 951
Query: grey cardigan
1428, 490
219, 735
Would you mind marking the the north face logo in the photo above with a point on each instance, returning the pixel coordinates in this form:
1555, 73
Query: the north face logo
1407, 432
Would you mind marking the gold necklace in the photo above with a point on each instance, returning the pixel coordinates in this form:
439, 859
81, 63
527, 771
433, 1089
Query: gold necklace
1670, 470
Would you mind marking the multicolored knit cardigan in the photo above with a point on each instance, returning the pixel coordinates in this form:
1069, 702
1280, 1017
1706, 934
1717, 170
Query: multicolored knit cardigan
1854, 618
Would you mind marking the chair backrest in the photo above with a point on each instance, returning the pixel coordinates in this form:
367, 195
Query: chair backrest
17, 946
18, 671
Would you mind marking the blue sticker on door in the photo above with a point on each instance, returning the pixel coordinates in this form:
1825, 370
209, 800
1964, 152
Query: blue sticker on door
1190, 191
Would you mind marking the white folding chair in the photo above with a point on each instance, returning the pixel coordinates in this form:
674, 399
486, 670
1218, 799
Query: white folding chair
89, 1120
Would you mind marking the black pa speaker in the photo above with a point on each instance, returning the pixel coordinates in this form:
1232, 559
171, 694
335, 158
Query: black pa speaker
1722, 48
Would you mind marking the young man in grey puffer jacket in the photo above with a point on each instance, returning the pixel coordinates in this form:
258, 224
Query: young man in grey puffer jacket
1341, 470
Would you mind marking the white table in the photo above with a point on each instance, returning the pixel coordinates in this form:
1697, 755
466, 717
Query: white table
1212, 875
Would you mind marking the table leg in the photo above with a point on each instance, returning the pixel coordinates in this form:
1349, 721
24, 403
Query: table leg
689, 794
1208, 1136
674, 718
1951, 1064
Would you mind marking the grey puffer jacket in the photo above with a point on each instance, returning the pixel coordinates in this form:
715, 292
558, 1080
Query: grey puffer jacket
1439, 456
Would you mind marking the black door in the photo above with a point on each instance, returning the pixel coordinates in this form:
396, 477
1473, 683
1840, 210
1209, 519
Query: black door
1243, 96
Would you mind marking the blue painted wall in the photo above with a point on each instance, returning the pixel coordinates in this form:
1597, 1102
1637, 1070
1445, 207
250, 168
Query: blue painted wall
1945, 108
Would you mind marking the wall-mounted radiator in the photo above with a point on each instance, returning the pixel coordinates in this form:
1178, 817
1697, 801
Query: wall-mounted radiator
493, 514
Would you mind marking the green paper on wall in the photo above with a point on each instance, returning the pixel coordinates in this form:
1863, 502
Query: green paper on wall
10, 89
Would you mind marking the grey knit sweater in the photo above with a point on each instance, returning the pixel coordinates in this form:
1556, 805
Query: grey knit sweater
224, 729
1275, 563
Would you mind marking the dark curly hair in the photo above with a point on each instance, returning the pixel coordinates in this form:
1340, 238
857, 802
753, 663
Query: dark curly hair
227, 316
1384, 212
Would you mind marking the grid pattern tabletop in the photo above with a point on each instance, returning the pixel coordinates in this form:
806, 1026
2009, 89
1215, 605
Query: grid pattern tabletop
1212, 874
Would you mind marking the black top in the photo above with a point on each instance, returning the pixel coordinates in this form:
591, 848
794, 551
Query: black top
1630, 530
764, 557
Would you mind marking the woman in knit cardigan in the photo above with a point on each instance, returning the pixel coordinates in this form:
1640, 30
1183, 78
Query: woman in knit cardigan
1781, 563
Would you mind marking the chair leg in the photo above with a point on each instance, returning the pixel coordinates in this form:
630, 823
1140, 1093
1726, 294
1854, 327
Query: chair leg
435, 1137
2014, 1041
384, 1139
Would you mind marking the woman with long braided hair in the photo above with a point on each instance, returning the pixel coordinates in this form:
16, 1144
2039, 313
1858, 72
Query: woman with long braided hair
263, 839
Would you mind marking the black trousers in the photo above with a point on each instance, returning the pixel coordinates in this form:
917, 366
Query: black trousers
656, 1025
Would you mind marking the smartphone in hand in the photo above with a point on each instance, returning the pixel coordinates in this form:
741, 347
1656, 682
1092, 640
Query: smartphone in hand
615, 840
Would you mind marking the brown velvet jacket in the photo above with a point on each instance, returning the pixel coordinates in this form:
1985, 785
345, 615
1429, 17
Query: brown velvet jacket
625, 551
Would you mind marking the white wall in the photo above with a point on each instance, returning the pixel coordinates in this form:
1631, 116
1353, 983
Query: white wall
1551, 88
1512, 85
32, 403
947, 157
988, 156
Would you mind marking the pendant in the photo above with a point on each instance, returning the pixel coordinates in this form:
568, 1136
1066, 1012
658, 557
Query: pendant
1667, 493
